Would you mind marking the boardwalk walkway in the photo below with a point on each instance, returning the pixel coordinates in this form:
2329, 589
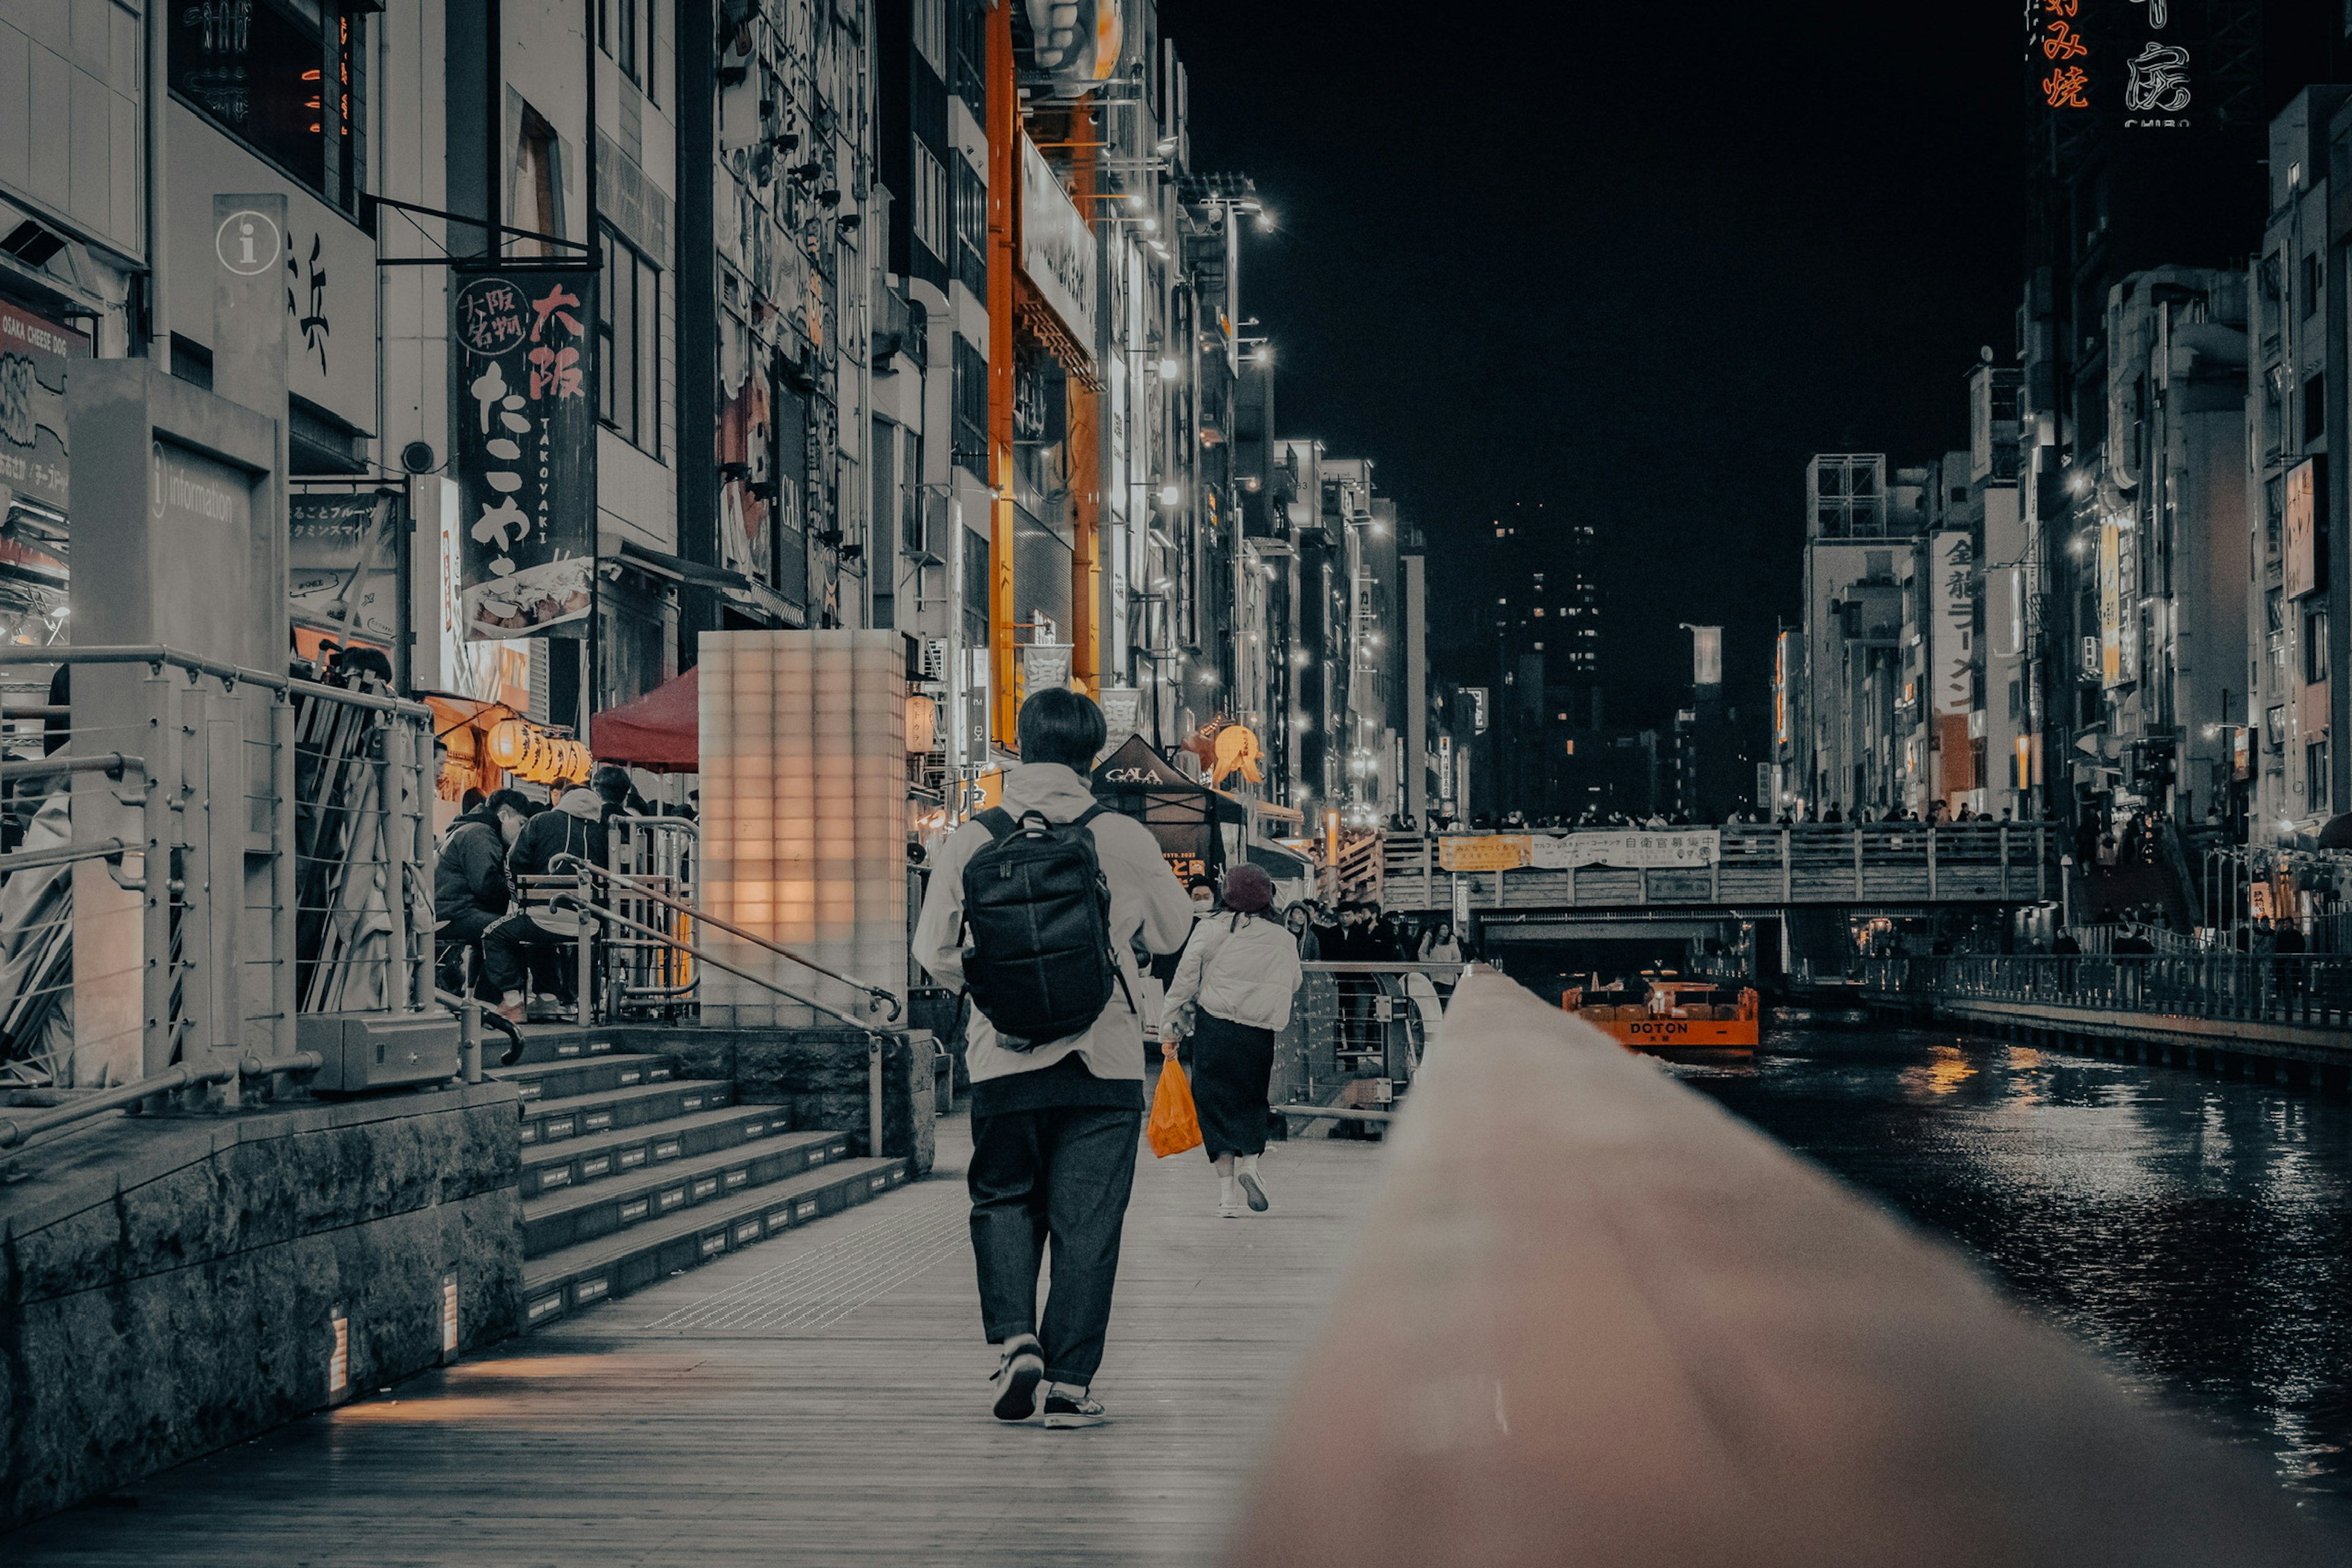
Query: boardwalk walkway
819, 1399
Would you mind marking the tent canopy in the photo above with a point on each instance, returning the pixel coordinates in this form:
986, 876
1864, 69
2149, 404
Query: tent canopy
660, 731
1138, 781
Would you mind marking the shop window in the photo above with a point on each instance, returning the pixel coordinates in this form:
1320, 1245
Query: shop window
929, 206
971, 398
282, 76
628, 342
624, 28
970, 227
2315, 645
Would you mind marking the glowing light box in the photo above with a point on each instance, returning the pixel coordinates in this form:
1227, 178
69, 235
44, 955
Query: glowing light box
804, 818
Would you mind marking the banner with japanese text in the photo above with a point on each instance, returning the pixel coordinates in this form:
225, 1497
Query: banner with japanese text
1635, 851
1481, 852
523, 369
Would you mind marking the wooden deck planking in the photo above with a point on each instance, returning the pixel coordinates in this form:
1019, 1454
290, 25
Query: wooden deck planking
612, 1438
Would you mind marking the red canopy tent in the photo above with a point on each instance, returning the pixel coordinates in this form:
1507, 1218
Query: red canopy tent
660, 731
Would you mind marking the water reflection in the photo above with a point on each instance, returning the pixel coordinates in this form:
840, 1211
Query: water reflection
2195, 1231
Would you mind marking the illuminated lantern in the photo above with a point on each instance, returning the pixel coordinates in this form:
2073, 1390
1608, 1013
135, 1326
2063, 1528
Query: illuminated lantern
922, 724
510, 743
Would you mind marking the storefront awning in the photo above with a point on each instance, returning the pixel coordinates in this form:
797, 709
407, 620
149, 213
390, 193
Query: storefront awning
660, 731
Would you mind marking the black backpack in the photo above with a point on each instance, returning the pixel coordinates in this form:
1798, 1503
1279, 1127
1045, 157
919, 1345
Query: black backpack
1037, 922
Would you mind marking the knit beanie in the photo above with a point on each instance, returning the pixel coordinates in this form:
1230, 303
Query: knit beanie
1248, 889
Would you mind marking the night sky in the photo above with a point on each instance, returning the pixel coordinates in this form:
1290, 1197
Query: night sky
1633, 263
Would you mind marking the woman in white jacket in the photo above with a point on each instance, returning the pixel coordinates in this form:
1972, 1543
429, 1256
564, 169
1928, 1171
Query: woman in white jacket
1231, 994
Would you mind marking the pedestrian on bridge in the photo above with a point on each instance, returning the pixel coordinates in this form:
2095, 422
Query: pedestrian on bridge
1057, 1118
1232, 995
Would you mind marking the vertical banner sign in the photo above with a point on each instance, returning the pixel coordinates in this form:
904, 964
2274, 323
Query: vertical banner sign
32, 355
1953, 591
525, 458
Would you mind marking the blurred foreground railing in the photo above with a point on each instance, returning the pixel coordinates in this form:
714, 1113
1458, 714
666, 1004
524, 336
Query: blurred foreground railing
1592, 1319
2314, 989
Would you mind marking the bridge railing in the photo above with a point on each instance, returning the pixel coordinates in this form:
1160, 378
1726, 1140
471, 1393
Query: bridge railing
1591, 1317
2314, 989
1744, 864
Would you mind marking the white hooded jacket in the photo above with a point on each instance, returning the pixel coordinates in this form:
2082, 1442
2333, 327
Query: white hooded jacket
1240, 969
1144, 898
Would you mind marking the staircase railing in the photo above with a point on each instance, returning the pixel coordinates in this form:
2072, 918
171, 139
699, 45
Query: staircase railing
591, 911
877, 997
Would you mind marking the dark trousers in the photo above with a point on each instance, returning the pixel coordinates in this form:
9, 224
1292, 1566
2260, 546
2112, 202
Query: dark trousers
1064, 1173
1233, 1067
459, 935
516, 945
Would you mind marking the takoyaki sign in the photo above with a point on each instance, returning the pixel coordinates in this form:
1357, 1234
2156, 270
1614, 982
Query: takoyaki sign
523, 373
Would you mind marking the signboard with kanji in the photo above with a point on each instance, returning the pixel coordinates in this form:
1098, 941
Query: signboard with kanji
523, 366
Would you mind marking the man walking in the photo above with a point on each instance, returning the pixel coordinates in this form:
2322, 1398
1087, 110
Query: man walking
1055, 1124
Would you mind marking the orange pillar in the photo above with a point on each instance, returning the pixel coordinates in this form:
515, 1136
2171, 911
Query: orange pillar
1004, 256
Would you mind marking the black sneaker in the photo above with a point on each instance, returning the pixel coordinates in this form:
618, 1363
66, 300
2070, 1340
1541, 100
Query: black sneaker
1017, 1376
1065, 1411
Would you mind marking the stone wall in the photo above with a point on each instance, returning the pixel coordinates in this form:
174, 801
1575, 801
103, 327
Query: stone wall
820, 1074
169, 1286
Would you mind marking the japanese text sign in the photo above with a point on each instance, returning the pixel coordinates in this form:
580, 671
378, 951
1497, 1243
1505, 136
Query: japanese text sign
522, 362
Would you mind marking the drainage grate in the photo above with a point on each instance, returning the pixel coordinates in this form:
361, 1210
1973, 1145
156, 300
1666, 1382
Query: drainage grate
827, 1283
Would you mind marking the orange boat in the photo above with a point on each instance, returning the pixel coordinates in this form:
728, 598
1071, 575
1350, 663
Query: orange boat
1677, 1016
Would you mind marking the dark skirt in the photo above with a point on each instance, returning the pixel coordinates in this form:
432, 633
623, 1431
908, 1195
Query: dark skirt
1232, 1066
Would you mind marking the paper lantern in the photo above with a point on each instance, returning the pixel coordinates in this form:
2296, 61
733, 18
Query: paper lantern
510, 743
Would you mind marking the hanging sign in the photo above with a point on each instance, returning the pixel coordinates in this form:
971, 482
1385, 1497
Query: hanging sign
525, 454
344, 564
32, 355
1637, 850
1482, 852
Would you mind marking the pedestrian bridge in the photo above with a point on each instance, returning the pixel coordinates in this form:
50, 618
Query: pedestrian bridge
1736, 869
1572, 1313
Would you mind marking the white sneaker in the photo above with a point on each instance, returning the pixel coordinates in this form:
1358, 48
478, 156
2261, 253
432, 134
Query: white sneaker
1229, 1210
1253, 1190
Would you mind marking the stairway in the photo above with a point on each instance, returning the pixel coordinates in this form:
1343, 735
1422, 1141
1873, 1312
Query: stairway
631, 1174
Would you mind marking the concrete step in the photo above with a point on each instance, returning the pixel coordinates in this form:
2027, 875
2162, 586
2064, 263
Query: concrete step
563, 1079
590, 1271
566, 1217
592, 1157
610, 1110
544, 1043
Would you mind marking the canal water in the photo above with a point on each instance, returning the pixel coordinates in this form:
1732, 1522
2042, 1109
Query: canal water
2194, 1231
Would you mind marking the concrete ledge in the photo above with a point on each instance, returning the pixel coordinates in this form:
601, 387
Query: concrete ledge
169, 1286
1597, 1319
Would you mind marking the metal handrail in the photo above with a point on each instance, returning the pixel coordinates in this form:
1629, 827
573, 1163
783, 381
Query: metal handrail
114, 764
63, 855
873, 1036
875, 995
14, 1132
156, 653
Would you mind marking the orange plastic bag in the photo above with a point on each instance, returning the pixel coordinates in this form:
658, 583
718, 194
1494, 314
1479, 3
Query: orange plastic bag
1175, 1126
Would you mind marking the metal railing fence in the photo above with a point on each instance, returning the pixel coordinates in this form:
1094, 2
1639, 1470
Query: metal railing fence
2314, 989
195, 855
1757, 865
1353, 1021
